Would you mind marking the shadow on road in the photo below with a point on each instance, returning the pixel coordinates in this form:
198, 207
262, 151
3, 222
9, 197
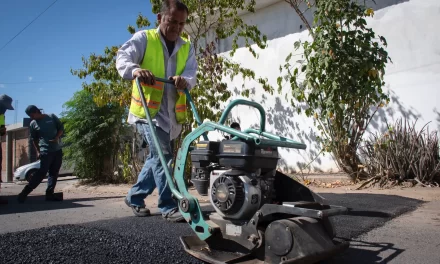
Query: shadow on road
366, 252
35, 203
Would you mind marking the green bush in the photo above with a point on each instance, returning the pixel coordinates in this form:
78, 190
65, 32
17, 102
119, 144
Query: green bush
93, 137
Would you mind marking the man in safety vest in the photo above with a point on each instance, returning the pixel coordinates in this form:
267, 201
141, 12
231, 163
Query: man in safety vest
5, 104
160, 52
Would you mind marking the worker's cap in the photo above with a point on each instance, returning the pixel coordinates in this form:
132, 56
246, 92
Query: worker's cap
6, 102
32, 109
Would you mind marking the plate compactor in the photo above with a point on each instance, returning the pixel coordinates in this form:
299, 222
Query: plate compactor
260, 214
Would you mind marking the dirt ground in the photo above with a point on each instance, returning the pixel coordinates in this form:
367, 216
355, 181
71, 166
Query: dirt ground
417, 192
338, 186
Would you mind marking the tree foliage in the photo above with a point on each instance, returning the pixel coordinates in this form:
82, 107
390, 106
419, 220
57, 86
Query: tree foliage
107, 85
93, 137
340, 80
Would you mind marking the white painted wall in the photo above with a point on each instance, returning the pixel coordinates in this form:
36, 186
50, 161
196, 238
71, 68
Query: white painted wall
413, 35
278, 19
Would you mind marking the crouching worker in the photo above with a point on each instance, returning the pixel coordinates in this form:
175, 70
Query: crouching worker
45, 131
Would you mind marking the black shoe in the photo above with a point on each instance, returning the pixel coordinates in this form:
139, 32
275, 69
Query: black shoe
138, 211
54, 197
23, 195
173, 216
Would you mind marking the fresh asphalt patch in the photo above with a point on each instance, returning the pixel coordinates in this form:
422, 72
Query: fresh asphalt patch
153, 240
130, 240
367, 211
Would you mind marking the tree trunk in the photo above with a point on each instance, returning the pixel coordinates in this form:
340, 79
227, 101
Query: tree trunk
348, 160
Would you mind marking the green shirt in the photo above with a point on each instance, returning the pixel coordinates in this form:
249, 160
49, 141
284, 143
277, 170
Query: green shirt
44, 130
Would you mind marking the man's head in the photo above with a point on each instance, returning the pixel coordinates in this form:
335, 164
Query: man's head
172, 18
236, 126
34, 112
5, 103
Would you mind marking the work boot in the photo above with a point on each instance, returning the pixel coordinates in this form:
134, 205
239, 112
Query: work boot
50, 196
23, 195
137, 210
173, 216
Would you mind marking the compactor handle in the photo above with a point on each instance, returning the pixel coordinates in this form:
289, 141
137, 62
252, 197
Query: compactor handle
248, 103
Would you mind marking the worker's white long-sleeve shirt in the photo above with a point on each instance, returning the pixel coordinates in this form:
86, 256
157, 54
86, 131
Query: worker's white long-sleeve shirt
129, 59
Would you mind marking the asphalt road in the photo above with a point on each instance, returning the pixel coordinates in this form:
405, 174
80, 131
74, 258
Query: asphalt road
152, 240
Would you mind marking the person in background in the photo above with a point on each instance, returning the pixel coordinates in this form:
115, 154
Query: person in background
235, 126
5, 104
46, 131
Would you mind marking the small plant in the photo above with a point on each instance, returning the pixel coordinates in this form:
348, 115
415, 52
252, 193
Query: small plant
402, 154
125, 156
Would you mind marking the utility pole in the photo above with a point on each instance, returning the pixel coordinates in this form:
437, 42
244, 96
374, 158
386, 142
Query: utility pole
16, 111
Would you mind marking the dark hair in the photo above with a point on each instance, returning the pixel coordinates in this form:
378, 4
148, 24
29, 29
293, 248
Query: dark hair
168, 4
32, 109
235, 125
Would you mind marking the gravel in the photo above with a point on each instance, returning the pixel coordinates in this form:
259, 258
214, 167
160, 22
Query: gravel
153, 240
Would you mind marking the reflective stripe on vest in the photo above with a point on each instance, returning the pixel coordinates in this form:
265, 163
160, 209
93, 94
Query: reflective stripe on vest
154, 61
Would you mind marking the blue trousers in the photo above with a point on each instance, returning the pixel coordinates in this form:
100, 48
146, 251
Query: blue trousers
49, 162
152, 174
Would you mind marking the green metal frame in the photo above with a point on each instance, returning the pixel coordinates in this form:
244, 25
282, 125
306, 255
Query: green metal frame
194, 216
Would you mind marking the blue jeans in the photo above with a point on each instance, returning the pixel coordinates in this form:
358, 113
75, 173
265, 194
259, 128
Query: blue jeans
152, 174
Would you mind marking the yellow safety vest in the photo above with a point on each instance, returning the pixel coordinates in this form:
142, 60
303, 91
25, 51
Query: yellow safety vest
154, 61
2, 124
